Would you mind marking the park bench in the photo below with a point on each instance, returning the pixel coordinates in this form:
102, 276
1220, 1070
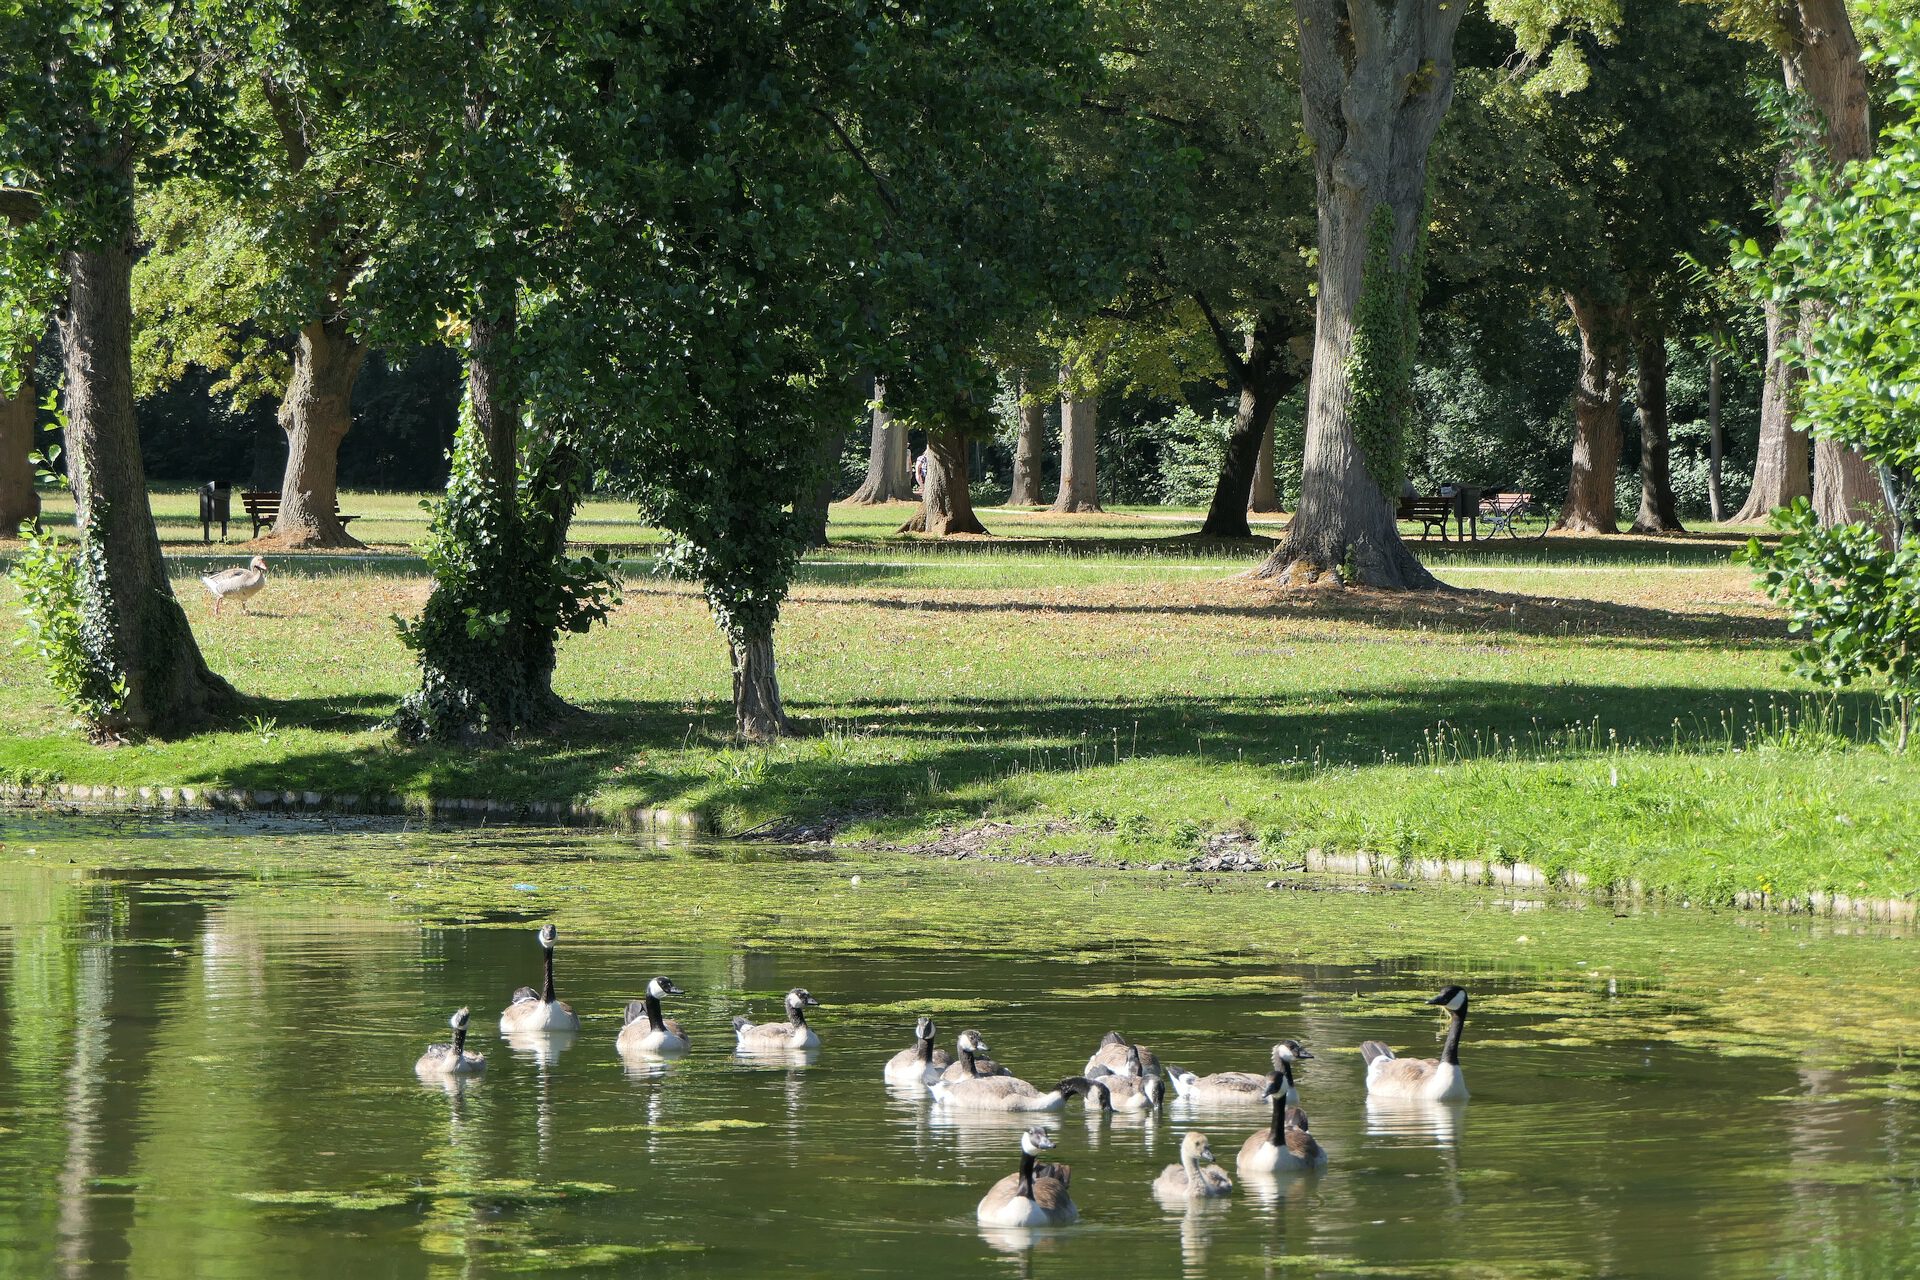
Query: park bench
1432, 513
263, 508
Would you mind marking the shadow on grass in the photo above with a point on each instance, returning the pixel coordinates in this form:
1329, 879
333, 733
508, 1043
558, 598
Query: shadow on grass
633, 749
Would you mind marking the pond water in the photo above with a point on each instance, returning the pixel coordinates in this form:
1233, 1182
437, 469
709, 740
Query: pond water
206, 1070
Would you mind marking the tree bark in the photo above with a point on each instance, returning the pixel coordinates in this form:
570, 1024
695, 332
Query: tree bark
126, 596
316, 413
818, 501
1658, 509
1716, 444
1376, 78
758, 714
1596, 419
1259, 369
1823, 61
946, 505
1030, 442
1079, 432
1780, 466
19, 499
889, 478
1265, 495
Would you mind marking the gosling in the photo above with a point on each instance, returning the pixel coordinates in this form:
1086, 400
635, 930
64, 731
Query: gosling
1192, 1178
779, 1037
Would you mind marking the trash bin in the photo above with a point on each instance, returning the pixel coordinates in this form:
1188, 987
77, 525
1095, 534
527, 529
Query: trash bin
1466, 506
216, 503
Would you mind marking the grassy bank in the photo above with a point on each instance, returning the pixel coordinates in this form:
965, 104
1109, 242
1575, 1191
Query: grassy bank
1614, 707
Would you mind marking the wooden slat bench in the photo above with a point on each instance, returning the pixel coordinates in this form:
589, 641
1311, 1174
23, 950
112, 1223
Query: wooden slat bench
1432, 513
263, 508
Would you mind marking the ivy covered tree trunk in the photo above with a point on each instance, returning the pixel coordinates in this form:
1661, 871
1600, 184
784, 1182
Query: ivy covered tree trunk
889, 477
1780, 465
1079, 435
757, 710
946, 502
1376, 77
135, 630
1591, 492
1658, 509
316, 413
19, 499
1259, 369
1265, 495
1030, 443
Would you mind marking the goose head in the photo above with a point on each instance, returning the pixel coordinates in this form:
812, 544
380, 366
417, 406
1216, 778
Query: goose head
459, 1019
258, 563
548, 936
800, 998
663, 986
1290, 1051
1035, 1140
1452, 999
923, 1029
970, 1042
1196, 1148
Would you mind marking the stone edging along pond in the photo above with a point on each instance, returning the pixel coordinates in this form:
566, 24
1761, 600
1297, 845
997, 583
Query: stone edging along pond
109, 799
684, 823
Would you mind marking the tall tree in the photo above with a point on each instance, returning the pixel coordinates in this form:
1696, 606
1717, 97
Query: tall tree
1376, 79
1035, 391
111, 88
1079, 434
889, 471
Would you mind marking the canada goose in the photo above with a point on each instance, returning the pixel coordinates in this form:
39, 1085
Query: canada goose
776, 1037
1006, 1093
531, 1010
1247, 1087
1034, 1197
1117, 1054
1132, 1090
452, 1059
647, 1030
972, 1059
1190, 1177
1285, 1144
920, 1062
1422, 1078
239, 583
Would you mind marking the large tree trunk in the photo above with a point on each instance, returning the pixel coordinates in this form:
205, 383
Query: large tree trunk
1029, 443
757, 711
19, 499
1596, 419
316, 413
1265, 495
556, 486
1079, 432
1259, 368
818, 500
1376, 78
946, 505
1658, 510
1780, 471
1823, 61
889, 478
130, 608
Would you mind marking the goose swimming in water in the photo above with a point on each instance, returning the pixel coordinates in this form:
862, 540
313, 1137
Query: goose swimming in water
1133, 1090
1191, 1177
778, 1037
241, 584
1006, 1093
920, 1062
1122, 1057
451, 1059
1285, 1144
1425, 1079
1247, 1087
1034, 1197
531, 1010
974, 1063
648, 1030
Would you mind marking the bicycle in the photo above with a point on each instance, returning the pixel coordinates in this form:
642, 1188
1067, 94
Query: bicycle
1518, 515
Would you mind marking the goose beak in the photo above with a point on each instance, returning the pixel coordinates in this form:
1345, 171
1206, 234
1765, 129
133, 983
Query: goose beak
1303, 1054
675, 989
811, 1001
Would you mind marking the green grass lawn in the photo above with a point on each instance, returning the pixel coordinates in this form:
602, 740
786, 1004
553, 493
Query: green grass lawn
1617, 707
